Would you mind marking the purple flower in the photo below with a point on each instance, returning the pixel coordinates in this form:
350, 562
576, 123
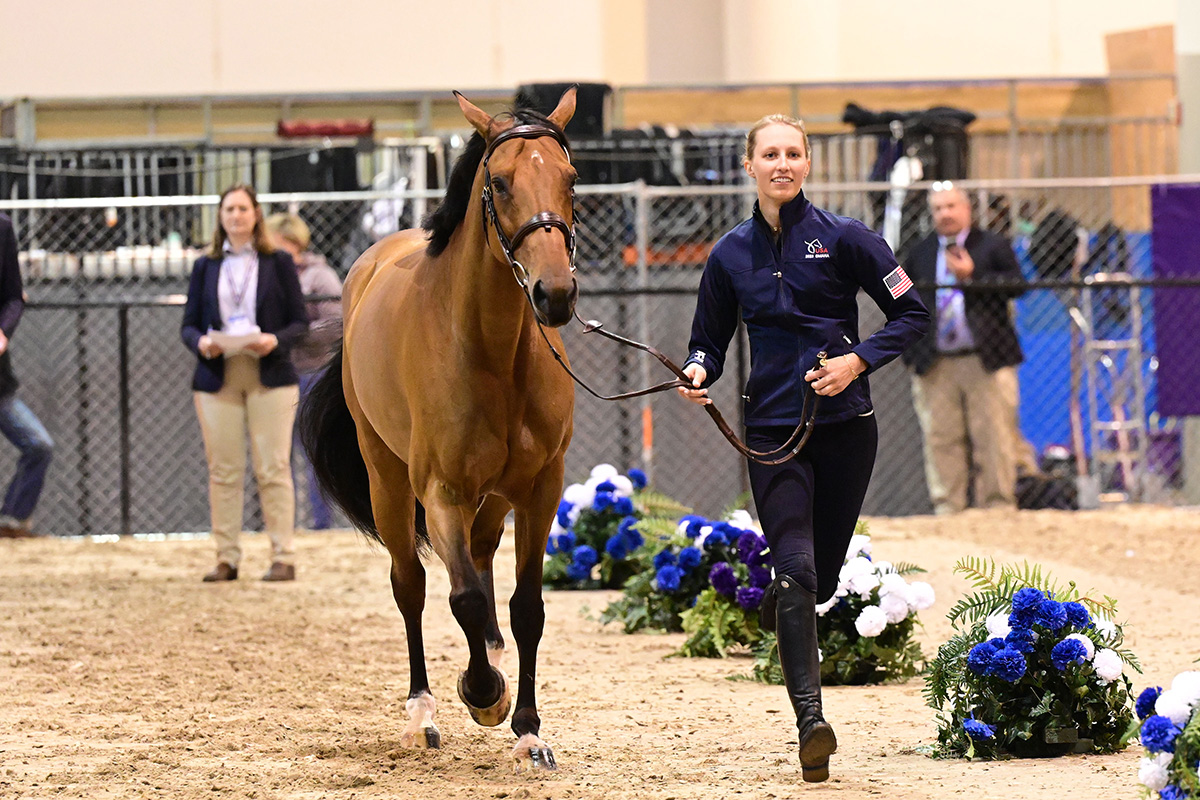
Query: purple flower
586, 556
564, 514
1008, 665
668, 578
748, 597
977, 730
1158, 734
1146, 700
723, 579
1067, 652
1172, 792
1051, 614
665, 558
623, 505
1077, 615
748, 546
760, 577
637, 478
689, 558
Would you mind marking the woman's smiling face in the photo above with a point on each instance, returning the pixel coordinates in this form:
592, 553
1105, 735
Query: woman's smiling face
779, 163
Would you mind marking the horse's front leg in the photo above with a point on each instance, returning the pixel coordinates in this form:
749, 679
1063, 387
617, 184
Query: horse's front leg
485, 538
482, 687
527, 614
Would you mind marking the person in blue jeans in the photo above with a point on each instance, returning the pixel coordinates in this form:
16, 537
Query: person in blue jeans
291, 234
17, 422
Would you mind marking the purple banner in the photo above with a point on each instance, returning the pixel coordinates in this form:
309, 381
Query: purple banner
1175, 244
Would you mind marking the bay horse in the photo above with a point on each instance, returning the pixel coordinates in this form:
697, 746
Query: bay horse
444, 408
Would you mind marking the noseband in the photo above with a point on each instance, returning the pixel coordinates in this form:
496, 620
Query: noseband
546, 220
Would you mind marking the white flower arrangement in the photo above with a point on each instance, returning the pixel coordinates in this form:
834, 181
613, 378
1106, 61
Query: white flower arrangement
1168, 726
866, 628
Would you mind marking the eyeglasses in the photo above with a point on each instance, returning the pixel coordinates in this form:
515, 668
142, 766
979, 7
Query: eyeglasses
941, 186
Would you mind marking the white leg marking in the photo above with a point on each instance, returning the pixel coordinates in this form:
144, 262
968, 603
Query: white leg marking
420, 732
494, 656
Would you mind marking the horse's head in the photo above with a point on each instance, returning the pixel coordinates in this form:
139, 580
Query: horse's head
528, 185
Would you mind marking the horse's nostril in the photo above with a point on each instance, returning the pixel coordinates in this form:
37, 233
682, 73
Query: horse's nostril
539, 295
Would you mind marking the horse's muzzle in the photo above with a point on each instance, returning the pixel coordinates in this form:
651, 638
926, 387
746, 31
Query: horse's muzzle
555, 306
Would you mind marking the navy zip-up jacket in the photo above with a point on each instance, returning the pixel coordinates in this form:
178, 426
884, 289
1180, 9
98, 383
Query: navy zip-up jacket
798, 300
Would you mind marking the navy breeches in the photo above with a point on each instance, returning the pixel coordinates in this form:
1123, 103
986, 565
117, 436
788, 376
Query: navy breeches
808, 506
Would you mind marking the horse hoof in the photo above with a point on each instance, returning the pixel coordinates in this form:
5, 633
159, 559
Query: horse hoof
534, 754
497, 712
427, 738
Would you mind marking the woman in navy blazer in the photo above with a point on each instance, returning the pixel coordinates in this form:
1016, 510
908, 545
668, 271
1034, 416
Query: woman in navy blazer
243, 287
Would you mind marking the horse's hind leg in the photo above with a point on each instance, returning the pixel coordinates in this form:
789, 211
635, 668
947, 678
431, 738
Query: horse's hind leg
485, 538
527, 614
394, 506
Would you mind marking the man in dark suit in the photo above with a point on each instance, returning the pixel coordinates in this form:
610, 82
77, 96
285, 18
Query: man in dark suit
965, 380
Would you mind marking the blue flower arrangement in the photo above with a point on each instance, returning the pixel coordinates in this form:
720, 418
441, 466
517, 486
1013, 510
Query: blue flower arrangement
682, 561
597, 530
1032, 669
1168, 725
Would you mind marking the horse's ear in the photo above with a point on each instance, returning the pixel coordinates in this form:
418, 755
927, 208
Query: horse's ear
480, 120
561, 115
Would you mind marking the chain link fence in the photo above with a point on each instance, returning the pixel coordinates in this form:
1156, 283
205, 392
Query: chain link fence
1107, 388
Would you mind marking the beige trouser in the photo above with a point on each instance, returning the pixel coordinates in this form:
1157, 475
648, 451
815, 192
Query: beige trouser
959, 402
243, 402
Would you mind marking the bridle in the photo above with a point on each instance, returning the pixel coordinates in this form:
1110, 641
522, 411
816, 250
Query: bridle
548, 221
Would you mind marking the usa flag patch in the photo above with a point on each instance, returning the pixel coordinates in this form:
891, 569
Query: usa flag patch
897, 282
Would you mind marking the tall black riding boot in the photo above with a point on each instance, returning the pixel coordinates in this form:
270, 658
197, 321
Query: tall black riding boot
796, 623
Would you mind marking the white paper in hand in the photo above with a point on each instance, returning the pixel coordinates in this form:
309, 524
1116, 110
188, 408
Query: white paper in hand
236, 337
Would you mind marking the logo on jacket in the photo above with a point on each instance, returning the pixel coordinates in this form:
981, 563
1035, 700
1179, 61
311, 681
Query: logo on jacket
816, 249
897, 282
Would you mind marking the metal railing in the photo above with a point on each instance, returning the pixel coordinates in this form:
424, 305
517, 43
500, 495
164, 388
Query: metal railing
100, 361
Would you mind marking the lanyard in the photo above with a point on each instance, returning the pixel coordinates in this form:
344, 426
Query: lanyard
239, 292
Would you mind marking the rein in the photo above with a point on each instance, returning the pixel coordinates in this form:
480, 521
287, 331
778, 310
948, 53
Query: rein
548, 221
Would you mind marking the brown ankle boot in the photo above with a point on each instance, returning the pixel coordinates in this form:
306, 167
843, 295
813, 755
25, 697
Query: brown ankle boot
223, 572
280, 572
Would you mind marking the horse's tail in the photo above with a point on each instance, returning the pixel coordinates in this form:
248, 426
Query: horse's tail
330, 437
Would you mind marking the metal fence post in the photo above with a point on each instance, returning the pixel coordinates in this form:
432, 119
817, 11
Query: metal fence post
641, 200
123, 411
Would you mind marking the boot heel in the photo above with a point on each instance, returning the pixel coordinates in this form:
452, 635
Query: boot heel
815, 749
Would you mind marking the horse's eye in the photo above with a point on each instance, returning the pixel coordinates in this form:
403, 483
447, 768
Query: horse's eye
499, 186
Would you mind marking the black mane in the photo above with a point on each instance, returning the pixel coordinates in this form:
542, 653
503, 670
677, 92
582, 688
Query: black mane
443, 221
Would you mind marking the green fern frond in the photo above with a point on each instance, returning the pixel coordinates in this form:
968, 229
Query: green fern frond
656, 504
656, 529
905, 568
979, 606
979, 572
